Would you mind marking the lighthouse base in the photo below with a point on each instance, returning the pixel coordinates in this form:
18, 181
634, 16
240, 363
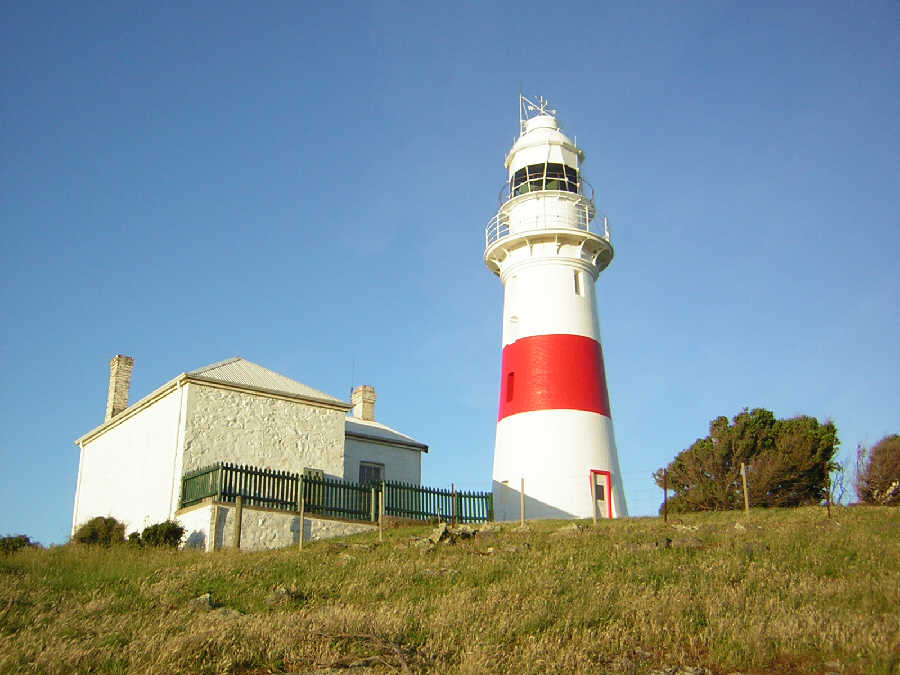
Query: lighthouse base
554, 452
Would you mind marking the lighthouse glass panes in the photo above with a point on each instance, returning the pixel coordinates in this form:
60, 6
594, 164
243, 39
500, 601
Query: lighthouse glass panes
547, 246
544, 177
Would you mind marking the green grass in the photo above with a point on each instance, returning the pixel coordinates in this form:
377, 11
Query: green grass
775, 591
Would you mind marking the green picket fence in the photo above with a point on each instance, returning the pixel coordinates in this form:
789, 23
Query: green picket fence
406, 500
338, 498
331, 496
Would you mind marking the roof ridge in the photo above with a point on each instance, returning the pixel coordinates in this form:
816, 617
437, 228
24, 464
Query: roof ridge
217, 364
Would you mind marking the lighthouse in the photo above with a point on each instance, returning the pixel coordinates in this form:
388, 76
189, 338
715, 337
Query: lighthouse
554, 451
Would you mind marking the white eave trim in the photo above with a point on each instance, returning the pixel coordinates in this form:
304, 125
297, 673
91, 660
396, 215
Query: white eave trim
407, 445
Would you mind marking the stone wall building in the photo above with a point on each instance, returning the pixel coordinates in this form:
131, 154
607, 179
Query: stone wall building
238, 412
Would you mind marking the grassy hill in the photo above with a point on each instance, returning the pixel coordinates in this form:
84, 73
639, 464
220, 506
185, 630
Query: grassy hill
775, 591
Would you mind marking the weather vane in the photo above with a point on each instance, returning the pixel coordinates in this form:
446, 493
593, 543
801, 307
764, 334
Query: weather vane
527, 107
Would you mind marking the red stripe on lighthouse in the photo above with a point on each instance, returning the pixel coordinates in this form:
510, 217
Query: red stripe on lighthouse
553, 372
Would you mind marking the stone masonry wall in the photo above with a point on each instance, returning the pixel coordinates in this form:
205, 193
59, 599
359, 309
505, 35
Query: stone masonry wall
261, 529
224, 425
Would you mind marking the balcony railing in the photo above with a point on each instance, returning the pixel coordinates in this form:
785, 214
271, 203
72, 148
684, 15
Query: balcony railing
582, 217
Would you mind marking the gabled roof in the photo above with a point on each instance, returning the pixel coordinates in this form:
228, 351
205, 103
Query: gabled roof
355, 427
236, 372
240, 372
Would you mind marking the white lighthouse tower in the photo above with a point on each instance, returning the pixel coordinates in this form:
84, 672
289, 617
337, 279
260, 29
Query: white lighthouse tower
548, 245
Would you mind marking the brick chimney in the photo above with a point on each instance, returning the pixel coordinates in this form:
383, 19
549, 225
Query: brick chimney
119, 381
363, 400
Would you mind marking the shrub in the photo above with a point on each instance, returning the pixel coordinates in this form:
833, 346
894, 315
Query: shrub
878, 472
100, 530
13, 542
134, 539
167, 533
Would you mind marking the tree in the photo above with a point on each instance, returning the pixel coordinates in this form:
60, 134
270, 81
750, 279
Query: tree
878, 472
787, 460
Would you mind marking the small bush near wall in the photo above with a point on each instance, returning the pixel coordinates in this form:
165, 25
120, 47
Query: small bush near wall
12, 543
101, 531
167, 533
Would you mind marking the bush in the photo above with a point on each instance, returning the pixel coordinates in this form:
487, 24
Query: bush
14, 542
167, 533
134, 539
878, 472
101, 531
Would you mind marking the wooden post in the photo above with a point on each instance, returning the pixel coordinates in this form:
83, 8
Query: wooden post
665, 496
302, 518
522, 503
452, 505
828, 497
381, 515
744, 480
238, 517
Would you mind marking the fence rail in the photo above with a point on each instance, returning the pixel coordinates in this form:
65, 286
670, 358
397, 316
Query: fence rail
331, 496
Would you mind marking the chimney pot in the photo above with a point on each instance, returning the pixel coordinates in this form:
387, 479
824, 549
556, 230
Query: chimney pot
119, 381
363, 400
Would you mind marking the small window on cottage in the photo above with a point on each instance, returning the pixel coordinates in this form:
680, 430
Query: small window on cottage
370, 472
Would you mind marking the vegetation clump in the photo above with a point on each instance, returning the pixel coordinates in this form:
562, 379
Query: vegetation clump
787, 462
100, 531
878, 472
15, 542
168, 533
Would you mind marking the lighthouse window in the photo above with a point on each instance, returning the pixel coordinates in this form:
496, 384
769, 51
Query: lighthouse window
578, 288
510, 378
544, 177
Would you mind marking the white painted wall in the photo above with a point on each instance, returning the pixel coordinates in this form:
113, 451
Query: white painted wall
129, 471
554, 451
224, 425
400, 464
196, 522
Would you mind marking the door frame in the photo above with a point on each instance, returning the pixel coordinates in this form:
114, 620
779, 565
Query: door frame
608, 476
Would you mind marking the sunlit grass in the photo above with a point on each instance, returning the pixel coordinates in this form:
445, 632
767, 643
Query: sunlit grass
778, 590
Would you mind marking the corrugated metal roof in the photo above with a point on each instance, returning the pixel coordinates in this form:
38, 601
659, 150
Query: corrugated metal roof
243, 373
378, 432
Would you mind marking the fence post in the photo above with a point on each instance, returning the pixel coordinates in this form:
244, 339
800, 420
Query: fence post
238, 517
522, 504
453, 513
302, 507
381, 514
744, 480
665, 495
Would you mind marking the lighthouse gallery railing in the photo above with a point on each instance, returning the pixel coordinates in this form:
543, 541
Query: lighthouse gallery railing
583, 216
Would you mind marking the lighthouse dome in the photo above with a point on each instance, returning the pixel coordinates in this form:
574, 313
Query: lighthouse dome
542, 141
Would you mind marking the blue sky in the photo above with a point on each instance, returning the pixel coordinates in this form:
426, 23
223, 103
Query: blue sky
307, 187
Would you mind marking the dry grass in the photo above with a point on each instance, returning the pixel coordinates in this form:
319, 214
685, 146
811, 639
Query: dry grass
790, 592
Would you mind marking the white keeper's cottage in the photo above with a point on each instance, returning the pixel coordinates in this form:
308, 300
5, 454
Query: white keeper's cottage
238, 412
